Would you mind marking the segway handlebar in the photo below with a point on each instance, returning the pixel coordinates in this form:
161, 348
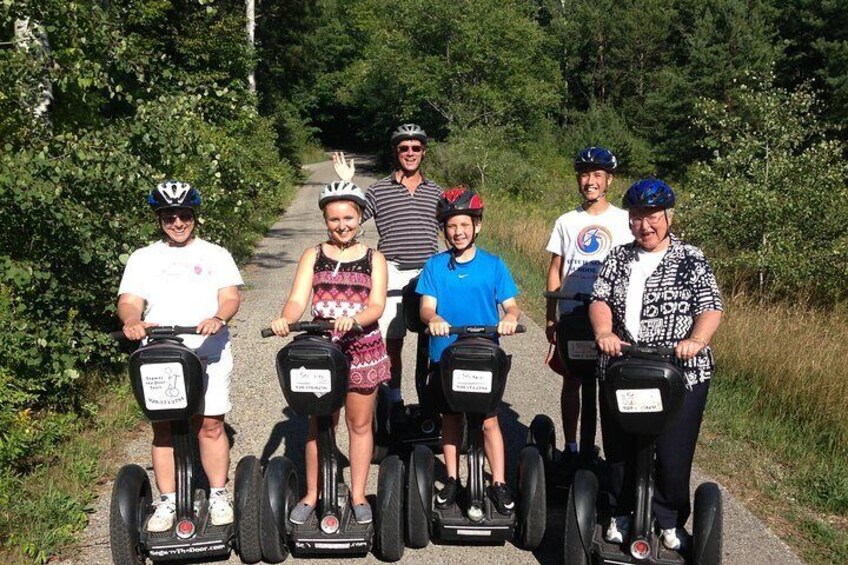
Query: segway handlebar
478, 330
410, 266
158, 331
560, 295
319, 326
646, 350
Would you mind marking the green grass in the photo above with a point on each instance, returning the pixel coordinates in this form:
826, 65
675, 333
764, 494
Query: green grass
312, 154
43, 511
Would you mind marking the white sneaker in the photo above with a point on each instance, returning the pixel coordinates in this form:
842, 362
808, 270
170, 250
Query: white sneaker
163, 516
618, 529
220, 509
670, 539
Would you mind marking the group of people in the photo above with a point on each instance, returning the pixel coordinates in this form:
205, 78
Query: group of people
647, 288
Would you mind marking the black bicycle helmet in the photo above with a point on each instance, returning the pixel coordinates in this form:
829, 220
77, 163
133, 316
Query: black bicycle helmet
459, 200
174, 194
407, 132
594, 158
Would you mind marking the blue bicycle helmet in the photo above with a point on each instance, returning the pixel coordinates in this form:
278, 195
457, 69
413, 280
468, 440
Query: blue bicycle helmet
594, 158
648, 193
174, 194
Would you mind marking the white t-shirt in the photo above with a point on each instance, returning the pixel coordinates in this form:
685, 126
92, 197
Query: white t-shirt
180, 287
583, 241
641, 270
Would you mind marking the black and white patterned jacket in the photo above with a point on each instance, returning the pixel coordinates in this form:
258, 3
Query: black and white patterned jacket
682, 287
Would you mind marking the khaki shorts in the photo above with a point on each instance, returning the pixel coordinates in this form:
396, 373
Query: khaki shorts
391, 322
216, 383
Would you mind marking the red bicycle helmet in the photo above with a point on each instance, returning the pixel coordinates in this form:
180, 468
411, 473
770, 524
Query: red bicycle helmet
459, 200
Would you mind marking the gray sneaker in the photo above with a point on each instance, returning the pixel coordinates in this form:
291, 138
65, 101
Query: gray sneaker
301, 513
362, 513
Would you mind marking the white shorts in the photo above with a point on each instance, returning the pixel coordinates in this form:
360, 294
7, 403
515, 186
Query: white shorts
391, 322
216, 384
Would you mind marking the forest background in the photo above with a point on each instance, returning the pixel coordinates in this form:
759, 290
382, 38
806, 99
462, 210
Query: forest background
738, 104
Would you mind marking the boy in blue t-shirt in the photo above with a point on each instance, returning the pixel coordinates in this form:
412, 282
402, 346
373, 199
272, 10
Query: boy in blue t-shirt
463, 286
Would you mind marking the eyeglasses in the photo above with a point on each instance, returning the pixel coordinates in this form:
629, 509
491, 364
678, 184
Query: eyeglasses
413, 148
651, 220
185, 216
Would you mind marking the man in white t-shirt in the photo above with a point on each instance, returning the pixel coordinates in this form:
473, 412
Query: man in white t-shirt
579, 243
186, 281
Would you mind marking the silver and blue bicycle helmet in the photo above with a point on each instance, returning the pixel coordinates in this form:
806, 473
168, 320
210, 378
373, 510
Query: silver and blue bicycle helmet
174, 194
341, 190
594, 158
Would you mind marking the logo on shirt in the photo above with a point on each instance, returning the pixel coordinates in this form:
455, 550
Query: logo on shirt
198, 269
594, 239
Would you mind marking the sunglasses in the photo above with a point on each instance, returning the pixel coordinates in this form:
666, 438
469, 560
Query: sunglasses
185, 217
413, 148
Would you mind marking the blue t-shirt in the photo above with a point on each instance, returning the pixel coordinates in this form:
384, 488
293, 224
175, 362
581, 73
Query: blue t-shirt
468, 295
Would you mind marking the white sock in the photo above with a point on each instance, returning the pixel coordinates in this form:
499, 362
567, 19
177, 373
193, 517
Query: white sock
395, 395
572, 447
213, 491
170, 496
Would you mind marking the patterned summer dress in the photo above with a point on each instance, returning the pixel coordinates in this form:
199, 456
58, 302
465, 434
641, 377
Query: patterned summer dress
342, 289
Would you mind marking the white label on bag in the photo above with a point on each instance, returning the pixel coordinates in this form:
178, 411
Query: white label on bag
163, 385
471, 381
582, 350
639, 400
316, 381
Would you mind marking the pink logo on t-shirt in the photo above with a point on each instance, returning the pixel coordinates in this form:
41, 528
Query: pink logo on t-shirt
198, 269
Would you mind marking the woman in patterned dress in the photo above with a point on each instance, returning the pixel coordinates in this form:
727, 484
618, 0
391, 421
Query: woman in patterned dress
347, 281
658, 292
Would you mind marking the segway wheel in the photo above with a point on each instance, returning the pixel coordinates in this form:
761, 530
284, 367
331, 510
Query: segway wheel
542, 434
382, 433
390, 509
248, 493
532, 506
419, 497
130, 505
707, 525
575, 551
280, 493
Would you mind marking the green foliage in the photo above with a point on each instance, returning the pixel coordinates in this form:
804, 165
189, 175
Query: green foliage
769, 204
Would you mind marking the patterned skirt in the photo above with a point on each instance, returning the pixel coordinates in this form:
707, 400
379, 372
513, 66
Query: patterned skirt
369, 362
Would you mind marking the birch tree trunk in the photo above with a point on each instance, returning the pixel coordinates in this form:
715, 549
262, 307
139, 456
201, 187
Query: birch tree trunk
32, 38
250, 10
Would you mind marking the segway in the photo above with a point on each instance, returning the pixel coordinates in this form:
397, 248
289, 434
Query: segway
313, 374
473, 377
419, 423
167, 381
644, 391
575, 347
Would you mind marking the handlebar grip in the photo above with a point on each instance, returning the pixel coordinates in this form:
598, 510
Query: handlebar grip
268, 332
117, 336
559, 295
476, 330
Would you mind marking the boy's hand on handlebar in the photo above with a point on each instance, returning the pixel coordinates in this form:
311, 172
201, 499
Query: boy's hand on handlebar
344, 170
507, 325
438, 327
686, 349
609, 344
550, 332
280, 327
210, 326
345, 324
136, 330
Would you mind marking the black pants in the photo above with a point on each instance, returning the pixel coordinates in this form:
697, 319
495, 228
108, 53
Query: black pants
675, 452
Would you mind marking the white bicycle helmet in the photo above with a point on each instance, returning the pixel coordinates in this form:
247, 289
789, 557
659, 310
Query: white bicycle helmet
341, 190
409, 131
174, 194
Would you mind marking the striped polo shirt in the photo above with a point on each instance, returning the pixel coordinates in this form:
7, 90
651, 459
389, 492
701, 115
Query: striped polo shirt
406, 223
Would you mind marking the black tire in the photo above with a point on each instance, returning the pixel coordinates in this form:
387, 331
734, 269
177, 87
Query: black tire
575, 553
382, 419
707, 525
418, 511
532, 498
248, 481
542, 434
130, 505
390, 509
280, 478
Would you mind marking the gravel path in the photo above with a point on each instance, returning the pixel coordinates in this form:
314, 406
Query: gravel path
263, 426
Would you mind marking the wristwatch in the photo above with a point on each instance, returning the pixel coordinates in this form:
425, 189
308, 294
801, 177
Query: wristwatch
220, 319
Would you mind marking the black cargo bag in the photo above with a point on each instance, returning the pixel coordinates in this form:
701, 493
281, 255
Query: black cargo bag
167, 381
313, 374
474, 371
